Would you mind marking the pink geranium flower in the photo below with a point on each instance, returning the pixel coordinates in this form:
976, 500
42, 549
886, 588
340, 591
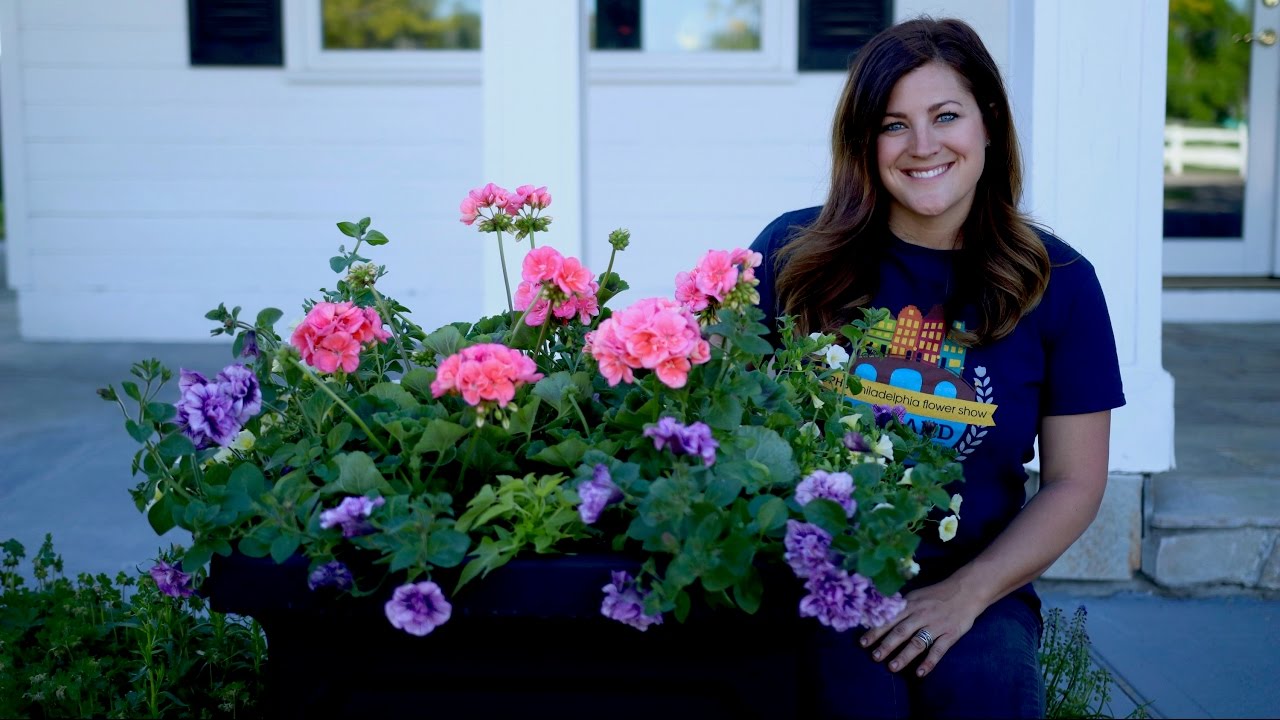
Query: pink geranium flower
720, 278
489, 196
332, 335
488, 373
656, 334
564, 288
536, 198
542, 264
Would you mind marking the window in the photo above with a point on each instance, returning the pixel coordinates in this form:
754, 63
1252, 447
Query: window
423, 39
235, 32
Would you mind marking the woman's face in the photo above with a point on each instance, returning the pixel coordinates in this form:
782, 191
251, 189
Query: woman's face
931, 149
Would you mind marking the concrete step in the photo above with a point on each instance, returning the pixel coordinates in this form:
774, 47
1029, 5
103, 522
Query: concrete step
1206, 531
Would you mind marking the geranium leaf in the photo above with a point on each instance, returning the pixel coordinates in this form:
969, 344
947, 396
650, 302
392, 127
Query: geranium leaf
393, 393
759, 445
357, 475
566, 454
439, 435
418, 381
445, 341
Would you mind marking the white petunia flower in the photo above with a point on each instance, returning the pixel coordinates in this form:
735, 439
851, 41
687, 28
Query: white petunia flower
910, 568
947, 528
836, 356
882, 506
884, 447
906, 476
811, 430
955, 504
851, 421
817, 402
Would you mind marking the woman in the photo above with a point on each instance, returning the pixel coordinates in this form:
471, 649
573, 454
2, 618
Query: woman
991, 313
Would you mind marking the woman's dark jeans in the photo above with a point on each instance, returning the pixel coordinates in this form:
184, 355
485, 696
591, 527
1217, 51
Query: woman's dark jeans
992, 672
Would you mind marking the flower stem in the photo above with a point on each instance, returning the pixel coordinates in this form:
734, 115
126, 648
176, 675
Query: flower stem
395, 332
334, 396
586, 429
506, 283
515, 327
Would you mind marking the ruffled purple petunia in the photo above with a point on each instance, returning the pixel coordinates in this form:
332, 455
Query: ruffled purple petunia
808, 548
332, 574
836, 599
239, 384
250, 348
418, 608
856, 442
172, 581
597, 493
837, 487
206, 414
681, 439
351, 515
624, 602
881, 610
884, 413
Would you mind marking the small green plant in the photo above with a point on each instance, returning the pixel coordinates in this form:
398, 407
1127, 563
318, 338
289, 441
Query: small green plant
1074, 686
95, 647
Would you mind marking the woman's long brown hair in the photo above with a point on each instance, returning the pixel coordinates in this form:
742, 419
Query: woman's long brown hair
831, 267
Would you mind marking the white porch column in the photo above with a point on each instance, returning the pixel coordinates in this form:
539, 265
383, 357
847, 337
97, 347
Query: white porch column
534, 55
1093, 116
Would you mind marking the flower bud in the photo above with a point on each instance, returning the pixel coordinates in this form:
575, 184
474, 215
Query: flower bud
620, 239
108, 393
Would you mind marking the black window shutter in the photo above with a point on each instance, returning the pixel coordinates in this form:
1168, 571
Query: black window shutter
235, 32
832, 31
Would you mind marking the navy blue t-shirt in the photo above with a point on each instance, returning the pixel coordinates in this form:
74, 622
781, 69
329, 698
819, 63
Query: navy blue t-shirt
988, 400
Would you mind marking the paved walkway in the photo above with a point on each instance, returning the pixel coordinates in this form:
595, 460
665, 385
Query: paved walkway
64, 459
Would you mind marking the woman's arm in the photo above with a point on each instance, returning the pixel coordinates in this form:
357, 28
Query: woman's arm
1073, 475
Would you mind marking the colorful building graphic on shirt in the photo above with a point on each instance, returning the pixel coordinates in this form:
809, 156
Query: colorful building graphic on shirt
914, 364
919, 338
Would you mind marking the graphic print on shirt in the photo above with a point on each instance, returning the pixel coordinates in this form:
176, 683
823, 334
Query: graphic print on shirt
915, 365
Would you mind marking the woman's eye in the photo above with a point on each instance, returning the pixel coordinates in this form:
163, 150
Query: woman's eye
947, 117
893, 127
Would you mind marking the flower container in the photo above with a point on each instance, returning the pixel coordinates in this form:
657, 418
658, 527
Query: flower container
530, 639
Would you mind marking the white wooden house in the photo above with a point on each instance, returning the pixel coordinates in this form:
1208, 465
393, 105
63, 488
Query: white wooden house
143, 187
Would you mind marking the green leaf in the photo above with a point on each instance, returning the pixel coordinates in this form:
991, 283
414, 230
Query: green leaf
447, 548
161, 412
439, 435
244, 487
445, 341
138, 432
268, 317
765, 448
283, 547
393, 393
522, 419
566, 454
196, 557
357, 475
556, 388
749, 591
772, 514
826, 514
174, 446
373, 237
254, 547
683, 604
349, 229
681, 572
722, 490
363, 224
338, 436
725, 412
131, 389
338, 263
161, 515
418, 381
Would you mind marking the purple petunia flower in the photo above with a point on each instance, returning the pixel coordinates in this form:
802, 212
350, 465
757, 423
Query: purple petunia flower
884, 413
172, 581
880, 610
239, 384
856, 442
331, 574
625, 603
808, 548
418, 608
350, 515
692, 439
250, 348
836, 598
837, 487
596, 494
206, 414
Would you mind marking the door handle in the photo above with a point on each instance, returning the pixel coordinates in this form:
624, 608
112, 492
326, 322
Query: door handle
1266, 37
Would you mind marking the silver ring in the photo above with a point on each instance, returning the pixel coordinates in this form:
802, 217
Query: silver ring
925, 637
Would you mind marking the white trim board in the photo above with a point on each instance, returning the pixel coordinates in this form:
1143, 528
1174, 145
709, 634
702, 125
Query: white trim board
1213, 305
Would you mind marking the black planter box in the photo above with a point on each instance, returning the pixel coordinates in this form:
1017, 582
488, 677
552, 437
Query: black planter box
527, 640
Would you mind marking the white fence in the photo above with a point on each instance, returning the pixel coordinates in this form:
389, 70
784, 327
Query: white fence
1208, 148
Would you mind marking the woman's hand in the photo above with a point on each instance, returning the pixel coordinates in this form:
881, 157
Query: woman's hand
945, 610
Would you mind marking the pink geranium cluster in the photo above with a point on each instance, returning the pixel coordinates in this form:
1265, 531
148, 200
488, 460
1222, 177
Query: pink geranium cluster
553, 283
656, 334
488, 372
493, 196
332, 335
722, 277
